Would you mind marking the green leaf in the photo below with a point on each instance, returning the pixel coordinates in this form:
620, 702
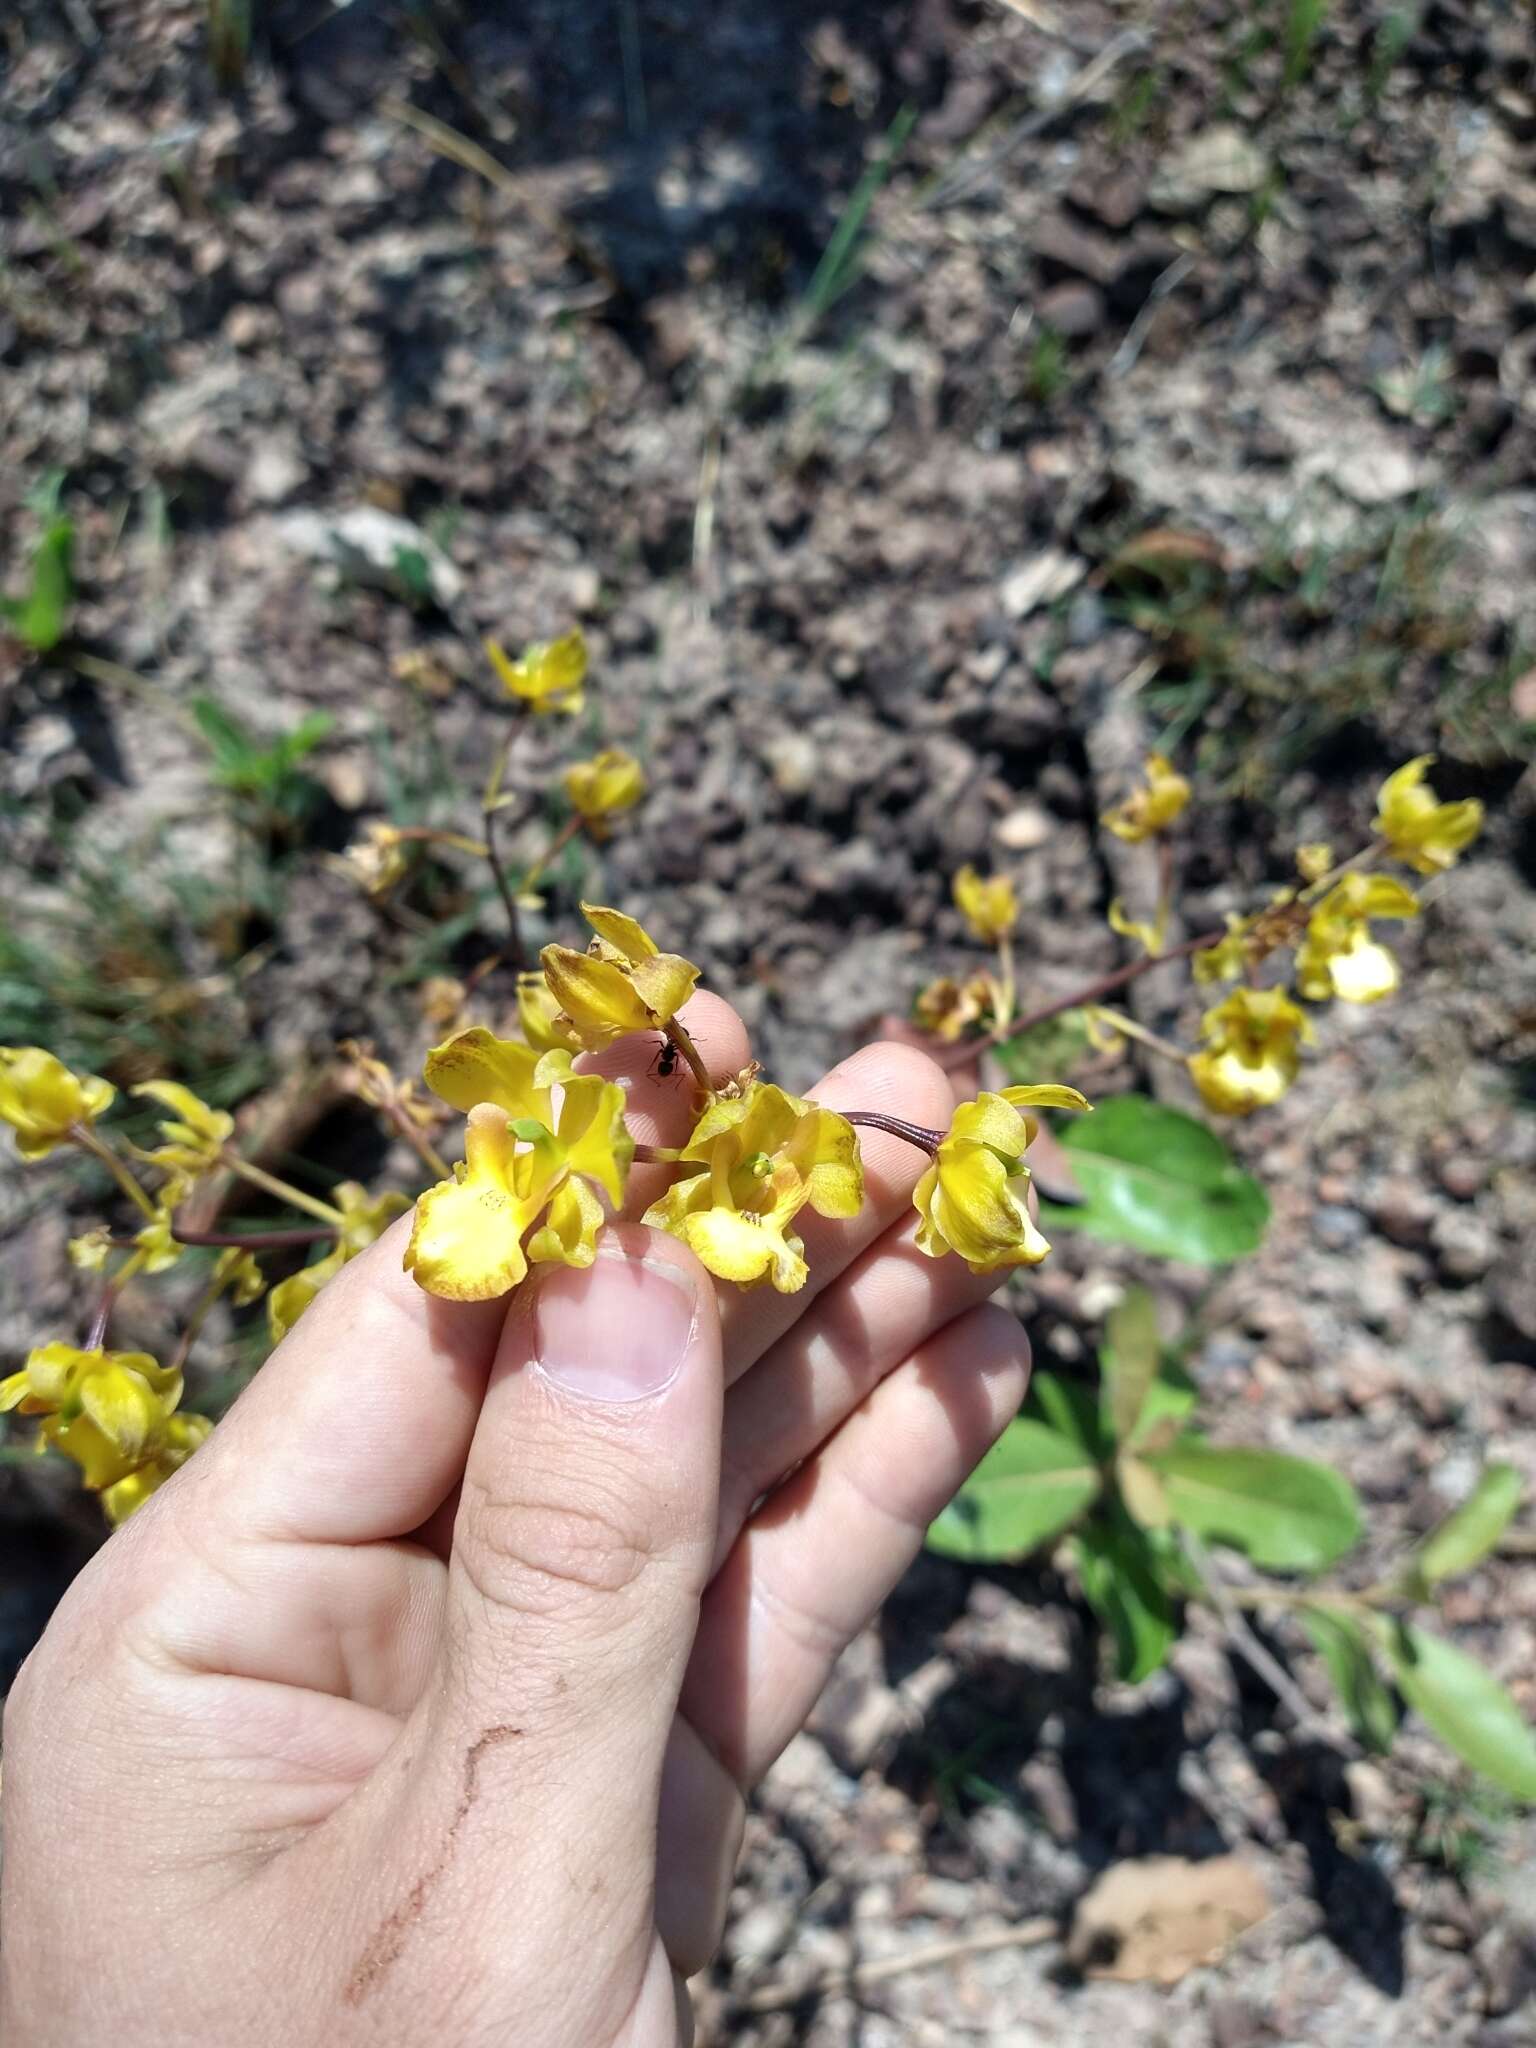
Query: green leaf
1368, 1704
1286, 1514
1070, 1408
1466, 1537
1465, 1705
41, 618
1161, 1181
1123, 1584
1129, 1361
1031, 1485
415, 574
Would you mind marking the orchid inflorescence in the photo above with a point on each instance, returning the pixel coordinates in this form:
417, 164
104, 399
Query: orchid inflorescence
547, 1147
547, 1157
1251, 1041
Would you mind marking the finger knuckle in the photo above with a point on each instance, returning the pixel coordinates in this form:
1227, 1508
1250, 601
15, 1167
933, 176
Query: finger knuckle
541, 1555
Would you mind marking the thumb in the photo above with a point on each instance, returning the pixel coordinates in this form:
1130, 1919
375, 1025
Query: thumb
582, 1545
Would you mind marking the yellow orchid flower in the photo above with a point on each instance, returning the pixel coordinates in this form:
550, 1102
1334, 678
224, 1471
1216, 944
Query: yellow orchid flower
1153, 808
1252, 1050
524, 1154
609, 783
549, 676
467, 1244
237, 1274
89, 1252
181, 1435
41, 1099
1429, 835
1227, 960
1339, 957
758, 1160
376, 861
622, 983
365, 1217
194, 1133
538, 1014
973, 1199
124, 1395
948, 1008
990, 907
158, 1248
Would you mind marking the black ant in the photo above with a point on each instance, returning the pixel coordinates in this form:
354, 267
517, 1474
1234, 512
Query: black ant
664, 1065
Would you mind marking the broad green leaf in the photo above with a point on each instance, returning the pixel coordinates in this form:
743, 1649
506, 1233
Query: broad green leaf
1031, 1485
1465, 1705
1286, 1514
1129, 1361
1466, 1536
1070, 1408
1161, 1181
1367, 1701
41, 618
1123, 1584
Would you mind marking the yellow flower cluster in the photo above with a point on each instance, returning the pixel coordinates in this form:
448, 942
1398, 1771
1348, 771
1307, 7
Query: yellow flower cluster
543, 1142
113, 1412
752, 1165
1251, 1043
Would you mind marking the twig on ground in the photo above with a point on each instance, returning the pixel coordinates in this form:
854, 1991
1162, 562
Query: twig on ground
1247, 1645
781, 1994
1082, 82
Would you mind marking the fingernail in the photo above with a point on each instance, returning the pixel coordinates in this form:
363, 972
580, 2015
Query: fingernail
617, 1331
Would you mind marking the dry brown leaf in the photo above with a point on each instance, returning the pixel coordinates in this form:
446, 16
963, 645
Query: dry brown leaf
1171, 554
1154, 1920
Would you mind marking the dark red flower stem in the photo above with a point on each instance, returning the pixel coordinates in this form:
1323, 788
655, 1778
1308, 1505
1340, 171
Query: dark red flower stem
971, 1048
895, 1127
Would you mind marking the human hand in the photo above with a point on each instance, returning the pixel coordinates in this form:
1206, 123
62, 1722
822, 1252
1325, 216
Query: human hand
423, 1704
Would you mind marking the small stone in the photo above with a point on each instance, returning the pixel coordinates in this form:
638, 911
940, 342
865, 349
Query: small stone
1040, 581
1506, 1958
1003, 1841
1371, 1799
1220, 158
1073, 310
1462, 1176
369, 546
792, 758
1464, 1245
1024, 828
1079, 251
275, 471
854, 1719
1404, 1211
761, 1933
1338, 1228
